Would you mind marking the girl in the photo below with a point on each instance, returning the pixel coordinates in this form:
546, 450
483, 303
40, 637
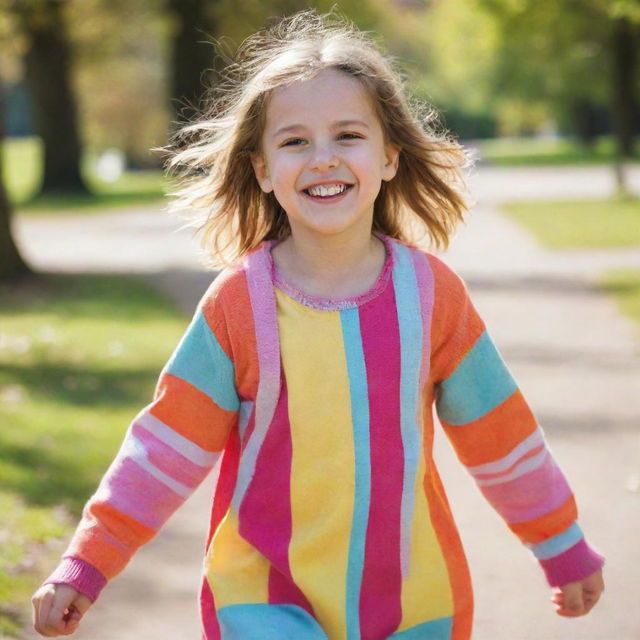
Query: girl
309, 371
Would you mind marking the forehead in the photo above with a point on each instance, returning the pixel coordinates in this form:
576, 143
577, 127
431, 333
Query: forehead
331, 95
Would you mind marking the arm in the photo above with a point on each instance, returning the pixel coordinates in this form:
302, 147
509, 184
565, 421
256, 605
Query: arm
168, 450
497, 438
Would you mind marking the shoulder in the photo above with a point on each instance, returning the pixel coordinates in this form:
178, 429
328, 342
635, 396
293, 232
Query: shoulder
447, 284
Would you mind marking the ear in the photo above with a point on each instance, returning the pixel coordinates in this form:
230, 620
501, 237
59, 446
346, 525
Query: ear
262, 172
392, 157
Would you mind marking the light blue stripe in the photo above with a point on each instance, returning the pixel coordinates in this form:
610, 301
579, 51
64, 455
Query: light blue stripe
559, 543
410, 326
479, 384
358, 388
439, 629
200, 360
268, 622
246, 407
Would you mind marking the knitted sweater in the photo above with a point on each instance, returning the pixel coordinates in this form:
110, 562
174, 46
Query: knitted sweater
329, 519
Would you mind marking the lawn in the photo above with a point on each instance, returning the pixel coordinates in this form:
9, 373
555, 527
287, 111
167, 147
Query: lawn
571, 224
22, 175
79, 356
592, 224
624, 284
512, 152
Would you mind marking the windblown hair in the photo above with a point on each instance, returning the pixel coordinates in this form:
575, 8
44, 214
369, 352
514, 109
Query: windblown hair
211, 157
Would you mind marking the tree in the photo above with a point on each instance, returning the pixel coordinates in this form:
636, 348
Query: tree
48, 73
11, 263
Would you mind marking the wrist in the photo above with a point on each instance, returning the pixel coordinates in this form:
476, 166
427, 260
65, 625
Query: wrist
80, 575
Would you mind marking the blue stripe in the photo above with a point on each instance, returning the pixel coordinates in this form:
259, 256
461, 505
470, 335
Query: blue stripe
410, 326
200, 360
439, 629
559, 543
478, 385
358, 389
268, 622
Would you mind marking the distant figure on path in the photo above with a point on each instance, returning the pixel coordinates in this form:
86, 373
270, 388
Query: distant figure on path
310, 368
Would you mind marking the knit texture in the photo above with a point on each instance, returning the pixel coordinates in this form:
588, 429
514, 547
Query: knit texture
329, 518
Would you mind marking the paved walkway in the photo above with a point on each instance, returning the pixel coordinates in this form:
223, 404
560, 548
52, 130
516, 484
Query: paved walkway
574, 356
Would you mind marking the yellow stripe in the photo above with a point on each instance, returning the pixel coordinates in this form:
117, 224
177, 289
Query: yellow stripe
322, 475
426, 591
236, 572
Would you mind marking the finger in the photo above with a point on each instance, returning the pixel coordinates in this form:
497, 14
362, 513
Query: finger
44, 607
572, 603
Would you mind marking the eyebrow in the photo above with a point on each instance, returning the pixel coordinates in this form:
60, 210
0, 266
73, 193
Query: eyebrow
339, 124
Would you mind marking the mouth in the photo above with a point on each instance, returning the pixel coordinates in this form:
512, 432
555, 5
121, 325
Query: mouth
327, 191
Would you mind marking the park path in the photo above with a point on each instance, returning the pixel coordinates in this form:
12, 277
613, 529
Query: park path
575, 357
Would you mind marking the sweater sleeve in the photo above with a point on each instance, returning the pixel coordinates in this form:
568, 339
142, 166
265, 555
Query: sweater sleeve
496, 436
168, 450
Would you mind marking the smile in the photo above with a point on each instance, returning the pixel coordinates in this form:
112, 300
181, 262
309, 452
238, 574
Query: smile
326, 190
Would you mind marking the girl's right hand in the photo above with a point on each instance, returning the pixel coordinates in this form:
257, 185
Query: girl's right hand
57, 609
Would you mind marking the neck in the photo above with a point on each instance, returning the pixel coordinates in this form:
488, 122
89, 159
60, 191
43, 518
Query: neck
334, 267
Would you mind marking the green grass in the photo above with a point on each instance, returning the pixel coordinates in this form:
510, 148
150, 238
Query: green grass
624, 284
513, 152
590, 223
79, 356
22, 176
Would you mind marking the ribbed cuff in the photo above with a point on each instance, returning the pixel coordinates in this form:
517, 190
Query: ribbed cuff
576, 563
80, 575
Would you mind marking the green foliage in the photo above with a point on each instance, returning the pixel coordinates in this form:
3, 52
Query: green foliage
73, 373
575, 224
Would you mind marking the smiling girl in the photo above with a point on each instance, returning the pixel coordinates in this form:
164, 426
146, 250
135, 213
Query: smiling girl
310, 368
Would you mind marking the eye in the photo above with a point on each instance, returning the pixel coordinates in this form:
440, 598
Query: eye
350, 135
293, 142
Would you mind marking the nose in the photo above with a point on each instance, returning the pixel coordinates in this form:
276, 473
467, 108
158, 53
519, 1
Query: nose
324, 157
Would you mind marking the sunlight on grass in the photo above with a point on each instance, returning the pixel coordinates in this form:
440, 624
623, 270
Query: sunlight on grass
624, 285
568, 224
79, 357
22, 175
546, 151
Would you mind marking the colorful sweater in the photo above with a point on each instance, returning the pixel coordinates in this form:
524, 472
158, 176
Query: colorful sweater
329, 519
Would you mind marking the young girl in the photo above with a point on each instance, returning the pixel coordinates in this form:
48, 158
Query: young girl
309, 371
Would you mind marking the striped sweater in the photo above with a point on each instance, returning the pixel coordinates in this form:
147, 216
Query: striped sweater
329, 519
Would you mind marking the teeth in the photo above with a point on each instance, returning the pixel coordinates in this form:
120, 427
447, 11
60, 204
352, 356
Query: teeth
325, 190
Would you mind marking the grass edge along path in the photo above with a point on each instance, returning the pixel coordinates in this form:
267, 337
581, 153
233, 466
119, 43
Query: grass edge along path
590, 224
79, 357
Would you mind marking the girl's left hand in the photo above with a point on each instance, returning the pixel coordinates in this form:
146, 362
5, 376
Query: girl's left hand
578, 598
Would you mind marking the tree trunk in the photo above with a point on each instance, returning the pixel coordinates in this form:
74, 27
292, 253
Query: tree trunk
11, 263
192, 55
48, 73
624, 54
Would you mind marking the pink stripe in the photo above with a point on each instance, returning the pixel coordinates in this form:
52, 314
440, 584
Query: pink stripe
508, 470
265, 513
424, 277
168, 460
380, 604
131, 490
531, 495
211, 627
576, 563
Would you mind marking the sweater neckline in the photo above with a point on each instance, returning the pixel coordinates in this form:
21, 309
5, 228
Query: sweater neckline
332, 304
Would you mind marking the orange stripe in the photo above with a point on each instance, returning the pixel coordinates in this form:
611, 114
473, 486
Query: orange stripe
124, 533
237, 339
449, 539
455, 325
495, 434
548, 525
191, 413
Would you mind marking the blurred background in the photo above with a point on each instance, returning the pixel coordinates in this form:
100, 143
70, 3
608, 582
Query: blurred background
546, 93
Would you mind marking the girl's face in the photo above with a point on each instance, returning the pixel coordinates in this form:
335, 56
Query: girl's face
324, 156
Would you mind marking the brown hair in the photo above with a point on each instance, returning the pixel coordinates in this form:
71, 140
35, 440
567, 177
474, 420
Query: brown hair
217, 187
